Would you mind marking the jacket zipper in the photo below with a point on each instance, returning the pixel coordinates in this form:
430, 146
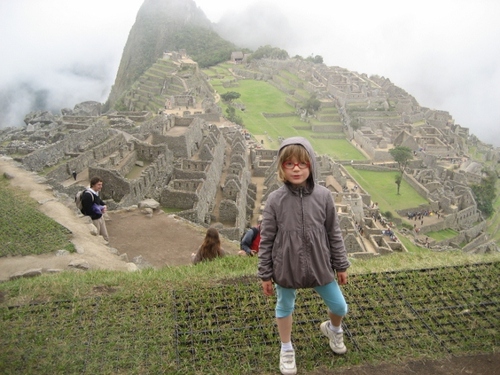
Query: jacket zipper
302, 213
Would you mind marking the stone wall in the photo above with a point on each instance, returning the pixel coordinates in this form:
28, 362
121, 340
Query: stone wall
127, 164
179, 194
140, 116
327, 128
191, 169
416, 185
125, 192
209, 117
73, 142
184, 144
182, 194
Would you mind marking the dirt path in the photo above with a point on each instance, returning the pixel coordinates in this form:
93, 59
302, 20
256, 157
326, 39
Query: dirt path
89, 248
161, 240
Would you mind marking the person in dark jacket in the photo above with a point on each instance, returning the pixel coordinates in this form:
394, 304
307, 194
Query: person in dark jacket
94, 207
250, 242
301, 246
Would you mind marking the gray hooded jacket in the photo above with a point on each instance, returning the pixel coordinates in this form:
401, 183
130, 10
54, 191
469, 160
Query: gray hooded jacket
301, 242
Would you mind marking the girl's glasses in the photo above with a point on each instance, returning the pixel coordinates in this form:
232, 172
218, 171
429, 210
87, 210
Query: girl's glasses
291, 165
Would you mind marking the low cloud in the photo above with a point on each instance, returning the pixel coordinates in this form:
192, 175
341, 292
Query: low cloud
60, 53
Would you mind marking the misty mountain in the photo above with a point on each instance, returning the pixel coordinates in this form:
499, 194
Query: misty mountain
256, 26
36, 99
167, 25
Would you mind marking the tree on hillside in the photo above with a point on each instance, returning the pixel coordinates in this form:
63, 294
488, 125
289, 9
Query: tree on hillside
230, 96
485, 193
311, 105
397, 179
402, 155
232, 116
270, 53
316, 59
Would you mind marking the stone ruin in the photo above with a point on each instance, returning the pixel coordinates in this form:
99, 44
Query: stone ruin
205, 172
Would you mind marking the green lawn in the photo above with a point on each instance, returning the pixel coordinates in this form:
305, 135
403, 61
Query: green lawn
260, 97
442, 235
214, 319
24, 230
383, 189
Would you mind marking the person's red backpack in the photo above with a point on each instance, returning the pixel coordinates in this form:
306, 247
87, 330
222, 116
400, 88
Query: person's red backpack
256, 240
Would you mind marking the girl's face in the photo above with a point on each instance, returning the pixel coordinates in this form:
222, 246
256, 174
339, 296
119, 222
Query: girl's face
296, 175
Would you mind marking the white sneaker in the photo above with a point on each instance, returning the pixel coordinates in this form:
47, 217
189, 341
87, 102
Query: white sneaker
336, 339
287, 362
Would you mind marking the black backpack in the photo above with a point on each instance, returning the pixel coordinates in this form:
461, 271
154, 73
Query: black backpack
78, 199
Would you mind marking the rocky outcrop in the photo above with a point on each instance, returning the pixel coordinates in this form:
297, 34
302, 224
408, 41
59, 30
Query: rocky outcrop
163, 25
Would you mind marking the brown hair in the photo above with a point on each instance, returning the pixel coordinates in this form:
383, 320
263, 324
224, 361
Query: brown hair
289, 152
95, 180
210, 248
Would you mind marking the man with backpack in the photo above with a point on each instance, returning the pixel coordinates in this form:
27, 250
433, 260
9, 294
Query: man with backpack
93, 206
249, 244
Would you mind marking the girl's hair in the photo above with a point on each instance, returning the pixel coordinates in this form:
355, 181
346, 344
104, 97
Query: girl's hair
289, 152
210, 248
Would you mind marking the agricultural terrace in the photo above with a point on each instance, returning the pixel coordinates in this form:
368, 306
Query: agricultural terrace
383, 189
259, 97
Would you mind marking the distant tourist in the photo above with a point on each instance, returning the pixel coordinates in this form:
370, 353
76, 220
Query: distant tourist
74, 174
210, 248
301, 246
249, 244
94, 207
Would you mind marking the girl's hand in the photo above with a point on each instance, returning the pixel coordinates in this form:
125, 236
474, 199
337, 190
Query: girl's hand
342, 278
267, 288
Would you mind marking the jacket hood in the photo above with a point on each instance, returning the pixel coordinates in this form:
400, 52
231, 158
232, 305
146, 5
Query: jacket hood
312, 156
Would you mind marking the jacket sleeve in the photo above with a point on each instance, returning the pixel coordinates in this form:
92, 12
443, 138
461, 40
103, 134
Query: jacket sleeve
338, 254
246, 241
268, 230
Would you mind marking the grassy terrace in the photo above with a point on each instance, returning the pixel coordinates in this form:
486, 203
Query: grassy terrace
24, 230
214, 319
382, 188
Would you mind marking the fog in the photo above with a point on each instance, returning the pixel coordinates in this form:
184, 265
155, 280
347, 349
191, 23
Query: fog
444, 53
58, 53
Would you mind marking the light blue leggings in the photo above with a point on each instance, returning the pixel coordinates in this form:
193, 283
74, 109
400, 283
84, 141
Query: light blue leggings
331, 294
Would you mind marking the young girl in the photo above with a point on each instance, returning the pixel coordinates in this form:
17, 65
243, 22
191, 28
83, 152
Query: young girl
210, 248
301, 246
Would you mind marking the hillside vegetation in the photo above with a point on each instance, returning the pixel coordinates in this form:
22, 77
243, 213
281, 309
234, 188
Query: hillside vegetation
162, 26
24, 230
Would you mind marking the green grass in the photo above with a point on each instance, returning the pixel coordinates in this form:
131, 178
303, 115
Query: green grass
24, 230
260, 97
213, 318
442, 235
383, 189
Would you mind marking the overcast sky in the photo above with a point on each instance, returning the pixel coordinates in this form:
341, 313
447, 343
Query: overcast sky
443, 52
